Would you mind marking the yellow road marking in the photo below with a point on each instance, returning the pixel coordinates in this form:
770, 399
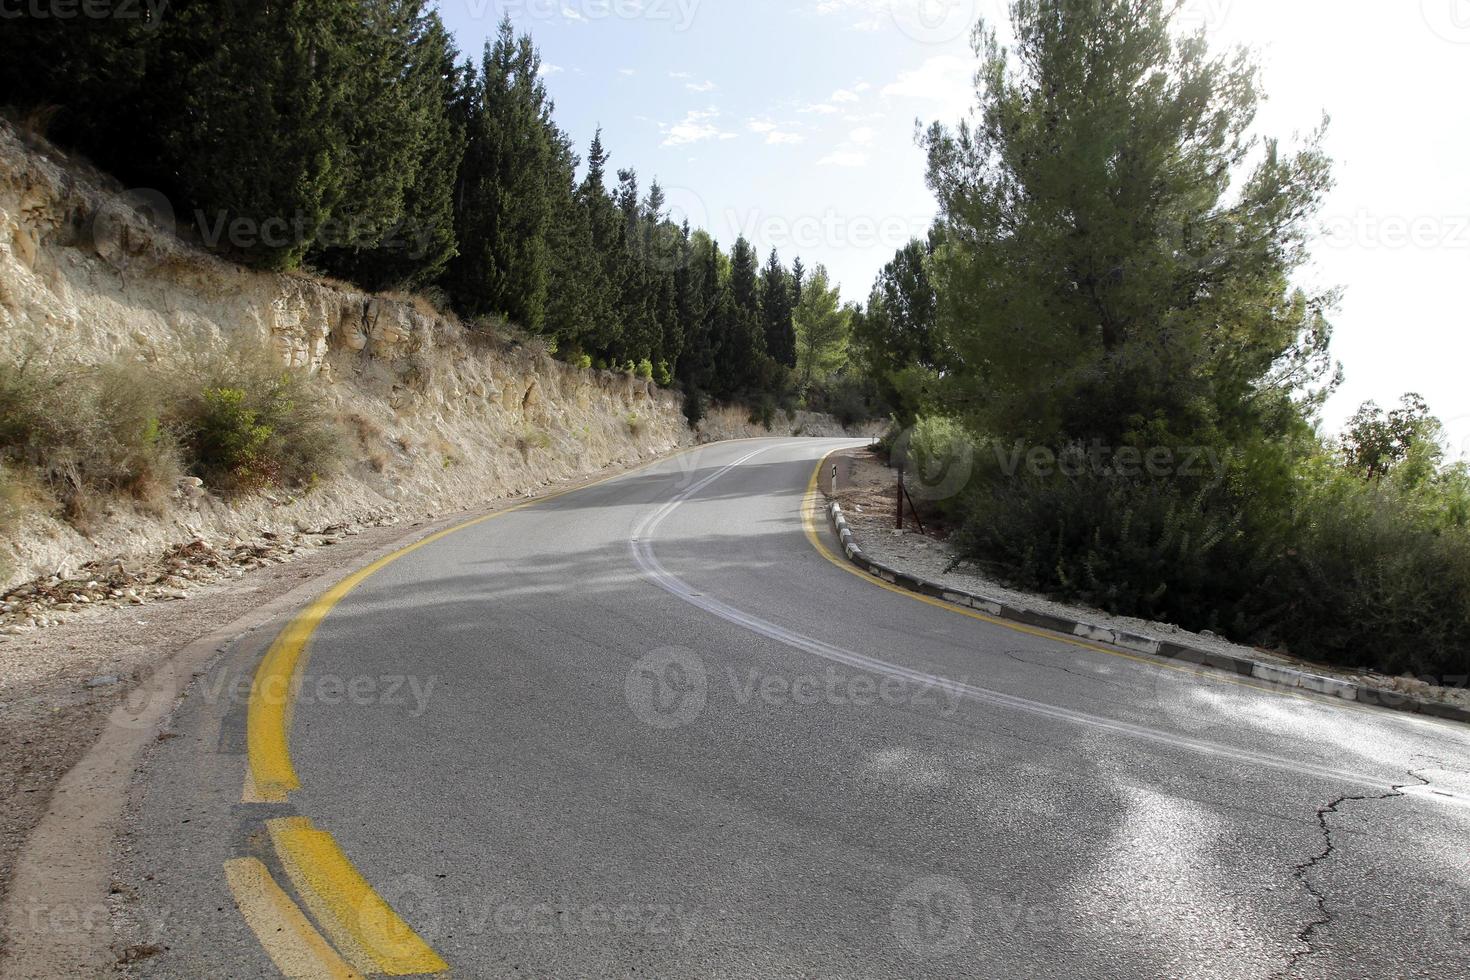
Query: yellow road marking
360, 923
272, 776
811, 507
293, 945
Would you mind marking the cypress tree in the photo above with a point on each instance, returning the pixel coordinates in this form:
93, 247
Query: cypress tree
254, 120
503, 209
776, 312
419, 245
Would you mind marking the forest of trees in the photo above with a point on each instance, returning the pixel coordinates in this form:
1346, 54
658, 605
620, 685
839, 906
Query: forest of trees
1107, 331
366, 148
1113, 278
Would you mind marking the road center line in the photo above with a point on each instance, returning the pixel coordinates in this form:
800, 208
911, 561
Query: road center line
641, 547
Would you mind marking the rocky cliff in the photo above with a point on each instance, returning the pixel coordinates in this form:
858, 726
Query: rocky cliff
435, 417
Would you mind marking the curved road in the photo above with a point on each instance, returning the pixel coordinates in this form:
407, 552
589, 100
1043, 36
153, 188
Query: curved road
649, 729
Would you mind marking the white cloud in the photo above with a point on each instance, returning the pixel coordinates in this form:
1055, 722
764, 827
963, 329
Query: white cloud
862, 136
779, 137
819, 108
761, 126
627, 72
696, 127
701, 86
681, 75
843, 95
571, 13
946, 82
549, 69
844, 158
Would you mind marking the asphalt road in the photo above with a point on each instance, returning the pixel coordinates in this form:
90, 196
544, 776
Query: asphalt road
647, 729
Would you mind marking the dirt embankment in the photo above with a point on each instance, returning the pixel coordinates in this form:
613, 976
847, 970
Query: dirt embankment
435, 417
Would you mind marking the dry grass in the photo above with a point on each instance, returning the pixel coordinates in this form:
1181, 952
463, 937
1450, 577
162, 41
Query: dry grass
91, 435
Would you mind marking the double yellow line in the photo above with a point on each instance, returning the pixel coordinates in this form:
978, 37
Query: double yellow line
367, 936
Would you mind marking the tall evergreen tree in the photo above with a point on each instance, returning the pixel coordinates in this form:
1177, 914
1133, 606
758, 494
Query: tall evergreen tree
744, 273
259, 132
822, 326
504, 205
776, 312
418, 247
1098, 282
895, 338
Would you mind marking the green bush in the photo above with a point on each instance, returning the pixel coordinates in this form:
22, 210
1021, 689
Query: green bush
1331, 567
1379, 573
662, 376
1153, 548
645, 369
763, 414
247, 423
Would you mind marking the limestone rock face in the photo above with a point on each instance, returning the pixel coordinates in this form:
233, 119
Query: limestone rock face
433, 419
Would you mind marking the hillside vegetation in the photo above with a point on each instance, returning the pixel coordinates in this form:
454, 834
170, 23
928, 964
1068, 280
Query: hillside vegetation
351, 139
1110, 310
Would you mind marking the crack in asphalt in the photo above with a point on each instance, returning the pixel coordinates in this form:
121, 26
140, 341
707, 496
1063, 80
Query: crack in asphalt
1307, 933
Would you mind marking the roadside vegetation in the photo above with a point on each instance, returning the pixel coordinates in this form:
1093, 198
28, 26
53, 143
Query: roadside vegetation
453, 179
1108, 333
1104, 360
89, 436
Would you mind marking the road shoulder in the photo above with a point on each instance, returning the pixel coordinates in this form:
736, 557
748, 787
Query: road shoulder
860, 510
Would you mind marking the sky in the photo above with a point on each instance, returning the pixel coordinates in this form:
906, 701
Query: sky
794, 124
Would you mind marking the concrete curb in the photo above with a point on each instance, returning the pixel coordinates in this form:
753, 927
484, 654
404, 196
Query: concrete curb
1272, 673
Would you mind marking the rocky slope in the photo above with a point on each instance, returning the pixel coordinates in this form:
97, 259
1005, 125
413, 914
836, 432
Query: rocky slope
435, 417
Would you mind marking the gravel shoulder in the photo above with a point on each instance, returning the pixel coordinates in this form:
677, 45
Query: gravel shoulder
867, 490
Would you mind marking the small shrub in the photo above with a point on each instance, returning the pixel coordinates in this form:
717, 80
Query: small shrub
229, 440
530, 439
635, 425
88, 432
645, 369
763, 414
246, 423
662, 376
583, 361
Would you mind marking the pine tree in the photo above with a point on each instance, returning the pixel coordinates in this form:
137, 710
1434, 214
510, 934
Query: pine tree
255, 122
504, 208
744, 272
417, 249
822, 326
895, 339
776, 312
1097, 279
